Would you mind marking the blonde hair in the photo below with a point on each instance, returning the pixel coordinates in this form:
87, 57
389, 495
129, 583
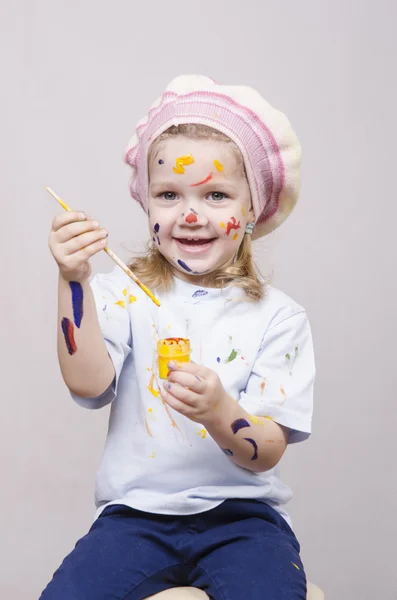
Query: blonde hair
154, 269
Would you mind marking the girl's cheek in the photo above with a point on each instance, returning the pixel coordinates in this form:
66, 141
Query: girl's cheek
231, 227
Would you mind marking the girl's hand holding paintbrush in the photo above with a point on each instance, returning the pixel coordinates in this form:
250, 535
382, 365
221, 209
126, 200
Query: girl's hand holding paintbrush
73, 240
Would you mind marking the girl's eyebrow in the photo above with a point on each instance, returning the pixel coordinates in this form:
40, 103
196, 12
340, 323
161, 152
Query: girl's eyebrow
162, 184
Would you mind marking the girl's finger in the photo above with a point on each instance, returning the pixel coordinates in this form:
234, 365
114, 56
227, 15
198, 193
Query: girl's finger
193, 382
67, 217
75, 229
181, 407
192, 368
74, 260
84, 240
181, 393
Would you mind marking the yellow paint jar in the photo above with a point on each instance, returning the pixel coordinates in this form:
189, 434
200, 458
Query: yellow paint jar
177, 349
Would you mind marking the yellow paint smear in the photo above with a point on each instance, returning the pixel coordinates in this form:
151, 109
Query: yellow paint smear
222, 225
218, 166
150, 387
120, 303
125, 292
235, 236
296, 566
243, 211
150, 410
131, 299
153, 455
183, 161
203, 433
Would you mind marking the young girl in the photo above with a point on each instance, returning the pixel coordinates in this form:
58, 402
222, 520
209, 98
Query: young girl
188, 492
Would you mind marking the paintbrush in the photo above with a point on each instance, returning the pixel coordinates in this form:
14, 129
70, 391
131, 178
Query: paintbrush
111, 254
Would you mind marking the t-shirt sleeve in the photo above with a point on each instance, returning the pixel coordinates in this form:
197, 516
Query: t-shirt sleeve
281, 382
111, 299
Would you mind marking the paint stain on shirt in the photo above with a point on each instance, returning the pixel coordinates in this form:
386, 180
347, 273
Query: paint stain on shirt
284, 395
231, 356
199, 293
202, 433
120, 303
148, 429
151, 387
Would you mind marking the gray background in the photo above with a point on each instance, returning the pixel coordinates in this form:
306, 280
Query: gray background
75, 77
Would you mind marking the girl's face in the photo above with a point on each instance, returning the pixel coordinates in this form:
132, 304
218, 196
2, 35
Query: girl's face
199, 205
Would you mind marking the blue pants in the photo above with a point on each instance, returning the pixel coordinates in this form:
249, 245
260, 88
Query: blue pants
243, 549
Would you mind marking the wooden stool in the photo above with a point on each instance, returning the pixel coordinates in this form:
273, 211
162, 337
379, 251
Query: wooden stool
189, 593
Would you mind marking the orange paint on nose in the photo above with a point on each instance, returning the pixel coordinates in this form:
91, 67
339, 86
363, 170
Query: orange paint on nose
191, 218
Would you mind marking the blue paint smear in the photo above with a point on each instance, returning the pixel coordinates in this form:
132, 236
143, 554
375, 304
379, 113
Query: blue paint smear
188, 269
158, 240
218, 359
255, 445
156, 228
239, 424
184, 266
227, 452
77, 302
199, 293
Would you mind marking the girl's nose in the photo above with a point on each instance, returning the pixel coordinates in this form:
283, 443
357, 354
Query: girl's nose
193, 217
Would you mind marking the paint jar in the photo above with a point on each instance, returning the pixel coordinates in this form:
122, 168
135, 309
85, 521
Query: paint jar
177, 349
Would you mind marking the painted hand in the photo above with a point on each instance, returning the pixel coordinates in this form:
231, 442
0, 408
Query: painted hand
194, 391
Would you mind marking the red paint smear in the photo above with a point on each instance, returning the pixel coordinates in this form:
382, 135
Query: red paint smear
68, 332
210, 176
191, 219
232, 225
71, 336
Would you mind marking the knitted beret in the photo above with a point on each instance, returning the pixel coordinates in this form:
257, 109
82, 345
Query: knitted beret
269, 147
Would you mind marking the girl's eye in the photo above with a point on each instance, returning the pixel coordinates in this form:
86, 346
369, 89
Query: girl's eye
217, 196
168, 195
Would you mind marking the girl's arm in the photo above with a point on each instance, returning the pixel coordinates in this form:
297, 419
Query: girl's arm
85, 364
255, 443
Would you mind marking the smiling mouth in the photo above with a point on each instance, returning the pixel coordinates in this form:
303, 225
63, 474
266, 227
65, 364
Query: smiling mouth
194, 245
194, 241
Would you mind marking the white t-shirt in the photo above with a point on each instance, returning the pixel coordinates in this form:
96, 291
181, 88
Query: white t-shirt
159, 461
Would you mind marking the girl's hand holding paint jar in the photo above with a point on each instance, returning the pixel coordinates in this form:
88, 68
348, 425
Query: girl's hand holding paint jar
73, 239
